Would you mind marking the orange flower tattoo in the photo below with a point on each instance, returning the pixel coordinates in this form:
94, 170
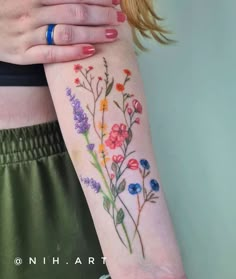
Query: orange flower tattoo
120, 87
104, 105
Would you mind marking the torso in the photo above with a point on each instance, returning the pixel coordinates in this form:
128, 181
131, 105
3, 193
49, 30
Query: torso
25, 106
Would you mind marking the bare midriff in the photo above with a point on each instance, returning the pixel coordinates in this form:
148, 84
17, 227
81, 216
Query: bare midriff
25, 106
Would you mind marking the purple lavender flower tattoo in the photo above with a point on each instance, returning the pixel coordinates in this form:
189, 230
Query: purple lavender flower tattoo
80, 117
90, 182
90, 147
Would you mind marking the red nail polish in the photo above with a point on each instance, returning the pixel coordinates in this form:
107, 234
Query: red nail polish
111, 33
88, 50
115, 2
121, 17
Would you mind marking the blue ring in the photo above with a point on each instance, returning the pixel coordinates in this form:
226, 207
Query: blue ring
50, 33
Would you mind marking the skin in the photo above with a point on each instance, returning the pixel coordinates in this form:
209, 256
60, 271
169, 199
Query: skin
162, 258
159, 258
40, 110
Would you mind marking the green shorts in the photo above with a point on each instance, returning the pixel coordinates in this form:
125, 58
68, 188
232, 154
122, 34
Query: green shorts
46, 230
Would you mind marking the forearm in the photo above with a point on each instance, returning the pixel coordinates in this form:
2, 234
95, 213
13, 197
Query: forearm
113, 147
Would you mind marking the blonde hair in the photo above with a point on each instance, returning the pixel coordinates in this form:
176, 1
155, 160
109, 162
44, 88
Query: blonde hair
145, 22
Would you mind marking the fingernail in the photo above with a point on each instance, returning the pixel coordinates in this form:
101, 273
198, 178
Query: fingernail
111, 33
115, 2
88, 50
121, 17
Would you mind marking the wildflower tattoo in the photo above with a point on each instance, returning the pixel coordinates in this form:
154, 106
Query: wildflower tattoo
113, 156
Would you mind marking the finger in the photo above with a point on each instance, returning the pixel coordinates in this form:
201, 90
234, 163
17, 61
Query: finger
106, 3
44, 54
70, 34
79, 15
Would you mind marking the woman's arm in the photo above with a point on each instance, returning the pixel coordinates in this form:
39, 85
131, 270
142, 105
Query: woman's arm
101, 108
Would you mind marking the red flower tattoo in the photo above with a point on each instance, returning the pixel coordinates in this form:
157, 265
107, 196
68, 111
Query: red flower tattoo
137, 106
133, 164
120, 87
119, 131
117, 159
113, 143
127, 72
77, 68
130, 111
117, 136
77, 81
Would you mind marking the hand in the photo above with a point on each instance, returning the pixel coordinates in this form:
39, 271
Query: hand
80, 23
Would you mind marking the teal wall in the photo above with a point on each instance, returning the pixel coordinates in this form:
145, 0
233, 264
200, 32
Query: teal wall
191, 94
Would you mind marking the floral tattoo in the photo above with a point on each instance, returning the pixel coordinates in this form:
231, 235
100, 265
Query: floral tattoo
113, 156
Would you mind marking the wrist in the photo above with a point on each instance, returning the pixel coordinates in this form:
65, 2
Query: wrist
150, 273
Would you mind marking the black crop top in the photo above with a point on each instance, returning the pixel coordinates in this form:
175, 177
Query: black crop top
17, 75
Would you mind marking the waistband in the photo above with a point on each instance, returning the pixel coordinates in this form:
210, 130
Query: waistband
30, 143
